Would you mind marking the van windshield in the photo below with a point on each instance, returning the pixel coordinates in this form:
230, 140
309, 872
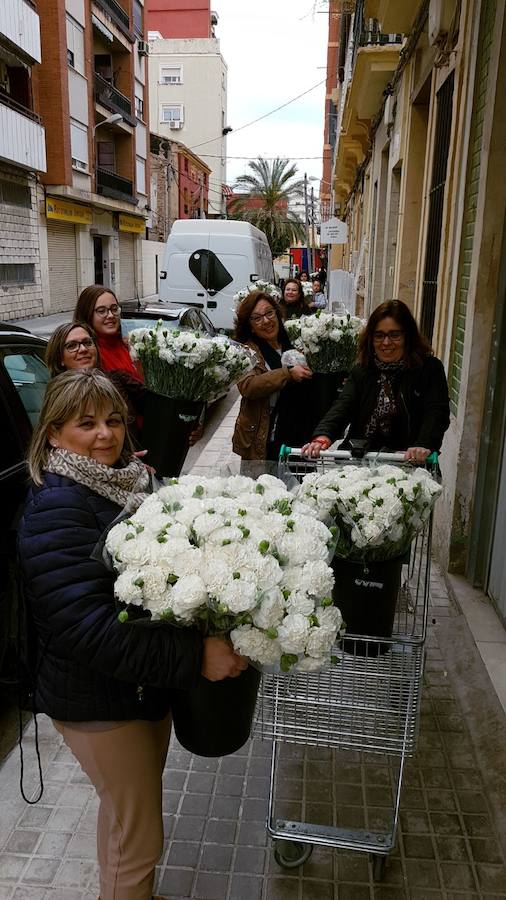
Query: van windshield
209, 270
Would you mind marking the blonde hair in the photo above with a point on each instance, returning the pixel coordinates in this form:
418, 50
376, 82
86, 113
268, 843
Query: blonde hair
68, 396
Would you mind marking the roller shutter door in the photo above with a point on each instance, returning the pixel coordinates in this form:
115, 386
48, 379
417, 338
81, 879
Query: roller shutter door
61, 252
126, 266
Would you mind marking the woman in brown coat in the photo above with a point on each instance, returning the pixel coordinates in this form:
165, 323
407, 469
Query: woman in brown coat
273, 395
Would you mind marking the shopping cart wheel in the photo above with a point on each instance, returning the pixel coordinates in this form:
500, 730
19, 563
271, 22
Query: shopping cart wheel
378, 867
291, 854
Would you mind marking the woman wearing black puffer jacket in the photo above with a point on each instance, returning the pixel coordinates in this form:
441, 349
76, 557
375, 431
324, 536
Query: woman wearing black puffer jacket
396, 398
105, 685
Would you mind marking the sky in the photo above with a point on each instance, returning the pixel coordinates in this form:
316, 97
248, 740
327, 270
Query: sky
274, 50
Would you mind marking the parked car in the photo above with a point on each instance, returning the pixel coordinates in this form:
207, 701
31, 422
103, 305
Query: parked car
23, 379
174, 316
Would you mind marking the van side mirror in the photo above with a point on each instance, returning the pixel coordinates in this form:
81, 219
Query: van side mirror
162, 275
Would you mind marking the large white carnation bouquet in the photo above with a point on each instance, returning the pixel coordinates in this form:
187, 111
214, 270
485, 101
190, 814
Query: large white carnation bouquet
235, 556
377, 510
259, 285
188, 365
328, 341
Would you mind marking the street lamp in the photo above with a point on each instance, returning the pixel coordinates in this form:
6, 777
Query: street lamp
111, 120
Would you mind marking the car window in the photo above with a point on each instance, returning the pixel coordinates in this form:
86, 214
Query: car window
191, 319
207, 325
128, 325
29, 375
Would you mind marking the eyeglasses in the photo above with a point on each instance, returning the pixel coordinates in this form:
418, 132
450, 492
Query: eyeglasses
73, 346
271, 314
380, 336
103, 311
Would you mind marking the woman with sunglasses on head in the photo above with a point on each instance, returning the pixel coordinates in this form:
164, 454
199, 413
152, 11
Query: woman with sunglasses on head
396, 398
273, 395
74, 346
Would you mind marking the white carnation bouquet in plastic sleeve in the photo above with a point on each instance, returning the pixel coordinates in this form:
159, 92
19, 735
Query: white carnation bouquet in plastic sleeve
328, 341
188, 365
259, 285
377, 511
234, 556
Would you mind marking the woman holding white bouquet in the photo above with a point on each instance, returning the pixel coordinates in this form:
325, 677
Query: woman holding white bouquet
396, 398
274, 396
105, 686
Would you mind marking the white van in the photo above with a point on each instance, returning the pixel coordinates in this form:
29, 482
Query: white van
208, 260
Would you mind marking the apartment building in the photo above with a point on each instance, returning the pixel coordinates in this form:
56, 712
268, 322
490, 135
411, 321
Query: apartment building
22, 155
188, 88
418, 175
92, 89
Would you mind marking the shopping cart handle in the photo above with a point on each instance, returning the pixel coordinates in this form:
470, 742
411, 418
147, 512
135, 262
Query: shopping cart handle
284, 451
432, 460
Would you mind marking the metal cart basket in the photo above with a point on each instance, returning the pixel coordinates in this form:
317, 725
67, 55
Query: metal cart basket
364, 704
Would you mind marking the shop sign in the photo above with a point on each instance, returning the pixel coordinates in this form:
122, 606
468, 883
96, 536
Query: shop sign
132, 224
68, 211
333, 232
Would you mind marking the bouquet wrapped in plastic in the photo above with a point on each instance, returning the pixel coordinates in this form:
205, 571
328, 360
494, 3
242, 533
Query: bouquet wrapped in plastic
188, 365
377, 511
266, 286
328, 341
236, 556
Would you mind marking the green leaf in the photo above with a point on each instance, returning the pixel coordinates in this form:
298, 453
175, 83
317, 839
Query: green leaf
263, 547
129, 537
171, 579
123, 616
259, 489
236, 576
139, 582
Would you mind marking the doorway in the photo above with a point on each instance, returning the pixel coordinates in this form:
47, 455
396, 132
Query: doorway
98, 256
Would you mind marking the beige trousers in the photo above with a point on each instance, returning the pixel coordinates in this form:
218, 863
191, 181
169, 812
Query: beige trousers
125, 765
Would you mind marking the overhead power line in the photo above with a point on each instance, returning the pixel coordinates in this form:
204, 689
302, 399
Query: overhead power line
265, 115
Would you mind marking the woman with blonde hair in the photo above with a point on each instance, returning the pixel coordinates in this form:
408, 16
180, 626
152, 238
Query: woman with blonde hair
105, 685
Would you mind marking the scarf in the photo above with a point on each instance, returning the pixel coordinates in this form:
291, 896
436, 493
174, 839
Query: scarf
273, 357
380, 423
114, 355
126, 486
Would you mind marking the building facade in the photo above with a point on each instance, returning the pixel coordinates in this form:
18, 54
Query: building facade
22, 156
418, 175
92, 89
188, 101
182, 18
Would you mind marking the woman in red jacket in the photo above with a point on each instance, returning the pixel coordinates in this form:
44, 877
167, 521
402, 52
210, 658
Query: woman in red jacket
98, 307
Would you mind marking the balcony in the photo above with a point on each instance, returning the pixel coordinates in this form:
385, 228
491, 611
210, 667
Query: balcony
111, 185
109, 96
117, 14
20, 28
393, 15
22, 137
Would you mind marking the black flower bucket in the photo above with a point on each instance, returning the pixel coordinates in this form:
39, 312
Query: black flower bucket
326, 387
215, 717
366, 594
167, 426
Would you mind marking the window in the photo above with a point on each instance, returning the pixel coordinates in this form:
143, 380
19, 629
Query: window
186, 164
30, 377
171, 75
103, 66
79, 145
17, 273
207, 268
75, 45
105, 155
172, 113
14, 194
139, 99
137, 16
140, 175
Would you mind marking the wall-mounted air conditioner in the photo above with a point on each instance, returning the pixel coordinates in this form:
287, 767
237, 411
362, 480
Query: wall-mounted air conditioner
175, 126
143, 48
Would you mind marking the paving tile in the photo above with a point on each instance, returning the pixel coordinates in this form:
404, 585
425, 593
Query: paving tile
55, 843
353, 868
317, 890
445, 823
491, 877
478, 826
200, 782
75, 873
282, 889
183, 854
31, 892
252, 834
225, 807
453, 849
189, 828
456, 876
418, 846
217, 858
361, 892
64, 818
219, 831
35, 816
177, 882
486, 851
439, 799
11, 866
250, 860
195, 804
254, 810
422, 873
22, 841
210, 886
41, 871
472, 801
83, 846
245, 887
229, 785
6, 891
233, 765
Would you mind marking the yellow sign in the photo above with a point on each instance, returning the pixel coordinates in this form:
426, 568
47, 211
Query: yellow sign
68, 211
132, 224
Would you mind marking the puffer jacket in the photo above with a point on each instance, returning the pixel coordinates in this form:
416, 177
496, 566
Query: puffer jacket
423, 407
90, 666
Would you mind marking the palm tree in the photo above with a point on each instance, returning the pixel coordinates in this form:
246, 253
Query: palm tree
273, 185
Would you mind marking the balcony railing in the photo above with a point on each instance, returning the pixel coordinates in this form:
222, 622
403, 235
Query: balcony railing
118, 15
8, 101
109, 96
111, 185
22, 138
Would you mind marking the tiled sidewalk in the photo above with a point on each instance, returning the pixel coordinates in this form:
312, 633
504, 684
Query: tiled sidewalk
450, 841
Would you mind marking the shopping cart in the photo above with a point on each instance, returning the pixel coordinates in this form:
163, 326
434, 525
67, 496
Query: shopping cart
366, 703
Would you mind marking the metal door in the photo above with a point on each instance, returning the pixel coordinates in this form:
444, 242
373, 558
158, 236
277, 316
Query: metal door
61, 252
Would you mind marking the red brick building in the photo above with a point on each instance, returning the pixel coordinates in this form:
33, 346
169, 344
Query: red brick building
181, 18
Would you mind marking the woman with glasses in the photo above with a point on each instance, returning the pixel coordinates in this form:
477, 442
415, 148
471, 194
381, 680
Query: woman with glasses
98, 307
74, 346
274, 396
396, 398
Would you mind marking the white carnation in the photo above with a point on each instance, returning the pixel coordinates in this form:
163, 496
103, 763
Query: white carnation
188, 594
255, 645
293, 633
